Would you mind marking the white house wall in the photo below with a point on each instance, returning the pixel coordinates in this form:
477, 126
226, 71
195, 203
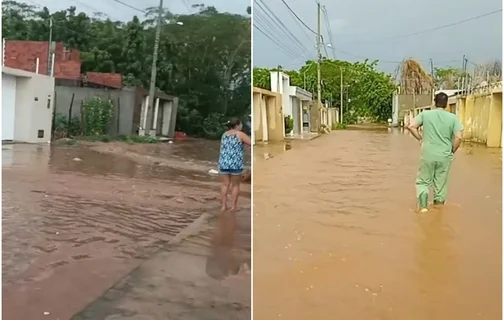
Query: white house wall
34, 108
283, 89
167, 116
8, 106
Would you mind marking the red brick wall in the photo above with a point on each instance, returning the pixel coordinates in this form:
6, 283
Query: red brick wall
113, 80
23, 55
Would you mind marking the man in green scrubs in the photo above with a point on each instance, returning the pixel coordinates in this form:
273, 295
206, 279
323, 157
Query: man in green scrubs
442, 136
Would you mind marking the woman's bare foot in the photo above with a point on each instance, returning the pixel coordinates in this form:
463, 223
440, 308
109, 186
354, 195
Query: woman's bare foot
224, 208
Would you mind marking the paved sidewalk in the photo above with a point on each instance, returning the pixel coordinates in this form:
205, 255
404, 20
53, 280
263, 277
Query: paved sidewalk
205, 276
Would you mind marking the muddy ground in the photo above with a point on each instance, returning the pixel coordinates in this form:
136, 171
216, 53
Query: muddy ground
336, 235
81, 219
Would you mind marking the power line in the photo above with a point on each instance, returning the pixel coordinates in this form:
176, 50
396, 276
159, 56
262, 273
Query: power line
324, 45
274, 41
130, 6
269, 27
432, 29
187, 5
279, 23
298, 18
266, 26
300, 59
329, 31
303, 29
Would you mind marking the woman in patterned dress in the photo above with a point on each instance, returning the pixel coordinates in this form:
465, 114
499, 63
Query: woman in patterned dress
231, 162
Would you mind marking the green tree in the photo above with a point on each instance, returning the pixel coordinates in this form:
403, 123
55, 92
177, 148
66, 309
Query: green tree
368, 90
205, 62
262, 78
447, 78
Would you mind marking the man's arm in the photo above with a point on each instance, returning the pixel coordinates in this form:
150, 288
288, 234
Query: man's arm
414, 125
457, 141
457, 136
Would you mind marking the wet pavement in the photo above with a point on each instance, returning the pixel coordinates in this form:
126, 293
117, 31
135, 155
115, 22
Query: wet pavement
79, 218
336, 235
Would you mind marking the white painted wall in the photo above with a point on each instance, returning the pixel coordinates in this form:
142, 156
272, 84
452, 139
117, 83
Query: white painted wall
283, 89
34, 108
167, 117
395, 110
34, 104
8, 106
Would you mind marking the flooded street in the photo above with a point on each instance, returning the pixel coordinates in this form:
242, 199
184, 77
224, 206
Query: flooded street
336, 235
77, 219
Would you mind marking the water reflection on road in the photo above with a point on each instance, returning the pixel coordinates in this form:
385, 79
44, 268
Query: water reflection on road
78, 218
336, 236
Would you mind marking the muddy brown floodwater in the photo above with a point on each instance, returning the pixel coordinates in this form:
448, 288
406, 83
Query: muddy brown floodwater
336, 236
77, 219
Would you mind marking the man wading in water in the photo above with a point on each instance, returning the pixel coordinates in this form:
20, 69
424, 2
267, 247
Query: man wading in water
442, 136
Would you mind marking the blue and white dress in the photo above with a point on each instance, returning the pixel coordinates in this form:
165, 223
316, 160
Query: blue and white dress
231, 155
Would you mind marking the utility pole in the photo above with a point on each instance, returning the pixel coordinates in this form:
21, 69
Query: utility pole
278, 79
433, 89
49, 47
152, 89
341, 93
432, 70
319, 56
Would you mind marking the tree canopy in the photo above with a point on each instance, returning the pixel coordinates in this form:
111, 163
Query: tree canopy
368, 90
205, 62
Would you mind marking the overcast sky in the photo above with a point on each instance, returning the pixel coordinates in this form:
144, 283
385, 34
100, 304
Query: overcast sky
117, 11
359, 27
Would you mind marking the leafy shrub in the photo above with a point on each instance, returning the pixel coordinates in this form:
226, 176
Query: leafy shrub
213, 126
97, 116
289, 124
338, 126
64, 129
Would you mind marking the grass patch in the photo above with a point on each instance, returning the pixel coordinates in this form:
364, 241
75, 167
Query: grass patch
338, 126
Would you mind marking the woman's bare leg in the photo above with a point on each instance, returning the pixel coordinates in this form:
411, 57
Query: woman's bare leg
235, 191
224, 191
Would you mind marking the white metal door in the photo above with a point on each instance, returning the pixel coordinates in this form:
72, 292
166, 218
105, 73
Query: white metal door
8, 106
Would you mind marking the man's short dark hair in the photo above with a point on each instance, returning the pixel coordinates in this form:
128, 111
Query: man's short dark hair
441, 100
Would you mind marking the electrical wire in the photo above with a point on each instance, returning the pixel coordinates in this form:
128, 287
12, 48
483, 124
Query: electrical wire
130, 6
329, 31
431, 29
281, 26
265, 25
298, 18
275, 42
300, 59
188, 6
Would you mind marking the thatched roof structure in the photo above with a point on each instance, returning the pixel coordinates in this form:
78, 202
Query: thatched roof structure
413, 79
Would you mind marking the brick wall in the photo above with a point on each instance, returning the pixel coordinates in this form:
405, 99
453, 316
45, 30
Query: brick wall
113, 80
23, 55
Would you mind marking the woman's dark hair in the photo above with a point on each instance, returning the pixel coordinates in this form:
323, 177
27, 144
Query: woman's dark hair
233, 123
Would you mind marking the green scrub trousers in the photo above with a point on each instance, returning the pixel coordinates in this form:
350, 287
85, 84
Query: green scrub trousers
433, 173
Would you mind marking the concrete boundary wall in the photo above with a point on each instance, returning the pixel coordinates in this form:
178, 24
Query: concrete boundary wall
123, 101
481, 116
267, 113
